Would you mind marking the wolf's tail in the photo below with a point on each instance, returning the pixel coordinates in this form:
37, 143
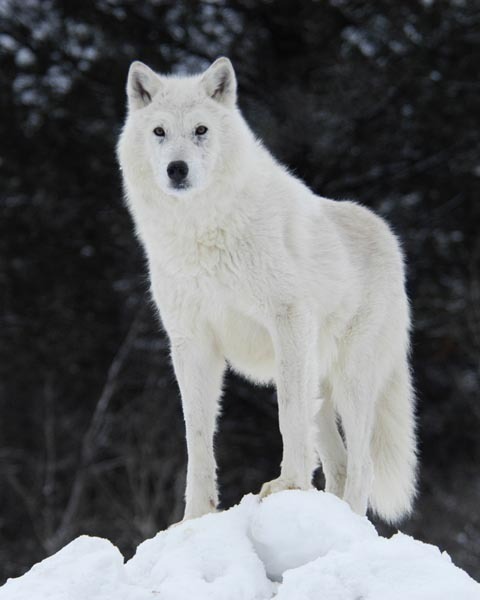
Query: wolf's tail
394, 449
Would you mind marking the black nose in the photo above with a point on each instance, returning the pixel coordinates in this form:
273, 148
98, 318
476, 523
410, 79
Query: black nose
177, 170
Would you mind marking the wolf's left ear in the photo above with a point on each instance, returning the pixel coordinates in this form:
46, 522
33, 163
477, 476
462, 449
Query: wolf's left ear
220, 82
142, 85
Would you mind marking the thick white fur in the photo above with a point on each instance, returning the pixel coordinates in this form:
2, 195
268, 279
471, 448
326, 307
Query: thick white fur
249, 268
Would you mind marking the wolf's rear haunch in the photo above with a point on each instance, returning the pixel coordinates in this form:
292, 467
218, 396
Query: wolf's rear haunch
252, 270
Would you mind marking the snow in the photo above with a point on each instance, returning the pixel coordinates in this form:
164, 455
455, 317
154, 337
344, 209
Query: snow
291, 530
292, 546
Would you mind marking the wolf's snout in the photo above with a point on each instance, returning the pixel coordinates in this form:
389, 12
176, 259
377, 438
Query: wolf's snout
177, 171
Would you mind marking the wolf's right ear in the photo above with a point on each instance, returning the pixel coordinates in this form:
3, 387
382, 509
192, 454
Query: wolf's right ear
220, 82
142, 85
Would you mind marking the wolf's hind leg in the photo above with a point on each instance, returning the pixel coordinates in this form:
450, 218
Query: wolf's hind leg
331, 449
355, 401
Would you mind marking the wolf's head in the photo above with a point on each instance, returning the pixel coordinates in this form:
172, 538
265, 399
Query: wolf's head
181, 125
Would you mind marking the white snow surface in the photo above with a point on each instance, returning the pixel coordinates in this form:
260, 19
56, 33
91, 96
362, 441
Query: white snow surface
292, 546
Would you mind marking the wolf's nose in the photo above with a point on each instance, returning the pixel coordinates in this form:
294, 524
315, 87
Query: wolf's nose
177, 170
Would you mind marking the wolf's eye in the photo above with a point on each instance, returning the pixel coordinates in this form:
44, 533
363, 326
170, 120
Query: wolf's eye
201, 130
160, 131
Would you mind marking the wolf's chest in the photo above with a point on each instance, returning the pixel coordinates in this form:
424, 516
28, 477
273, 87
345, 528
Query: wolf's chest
244, 342
200, 255
203, 252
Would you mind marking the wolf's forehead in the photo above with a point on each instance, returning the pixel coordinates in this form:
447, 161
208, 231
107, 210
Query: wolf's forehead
181, 111
185, 113
180, 101
178, 106
183, 92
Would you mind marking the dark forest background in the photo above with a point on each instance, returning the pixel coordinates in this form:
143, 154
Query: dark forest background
374, 101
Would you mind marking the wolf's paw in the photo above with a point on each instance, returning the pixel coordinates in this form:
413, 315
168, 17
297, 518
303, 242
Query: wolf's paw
335, 482
198, 507
190, 516
278, 485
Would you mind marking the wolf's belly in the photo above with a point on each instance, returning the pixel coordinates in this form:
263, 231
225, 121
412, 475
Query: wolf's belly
246, 345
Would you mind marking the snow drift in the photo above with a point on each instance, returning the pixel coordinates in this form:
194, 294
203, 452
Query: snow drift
292, 546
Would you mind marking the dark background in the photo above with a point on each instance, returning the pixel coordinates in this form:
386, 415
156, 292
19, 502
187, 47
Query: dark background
375, 101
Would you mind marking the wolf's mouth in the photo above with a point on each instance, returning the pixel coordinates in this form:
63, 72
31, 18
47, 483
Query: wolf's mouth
182, 185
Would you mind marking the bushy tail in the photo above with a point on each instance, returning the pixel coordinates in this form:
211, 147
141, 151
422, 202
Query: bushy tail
394, 449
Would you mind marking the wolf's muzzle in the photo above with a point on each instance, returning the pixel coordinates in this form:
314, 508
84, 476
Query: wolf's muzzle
177, 170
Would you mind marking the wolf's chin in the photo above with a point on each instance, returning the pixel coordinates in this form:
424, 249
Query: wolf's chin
180, 192
185, 191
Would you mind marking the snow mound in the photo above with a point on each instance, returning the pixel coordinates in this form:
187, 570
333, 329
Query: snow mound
292, 529
293, 545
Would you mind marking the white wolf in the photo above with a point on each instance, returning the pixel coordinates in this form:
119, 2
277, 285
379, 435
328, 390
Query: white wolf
248, 267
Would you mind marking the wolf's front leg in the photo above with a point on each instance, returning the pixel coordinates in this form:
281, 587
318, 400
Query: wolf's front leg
294, 338
199, 370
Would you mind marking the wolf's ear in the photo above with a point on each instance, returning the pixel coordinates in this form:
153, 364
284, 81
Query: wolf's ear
142, 85
220, 82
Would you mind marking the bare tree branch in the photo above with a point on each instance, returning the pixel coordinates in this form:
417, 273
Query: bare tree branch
92, 438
